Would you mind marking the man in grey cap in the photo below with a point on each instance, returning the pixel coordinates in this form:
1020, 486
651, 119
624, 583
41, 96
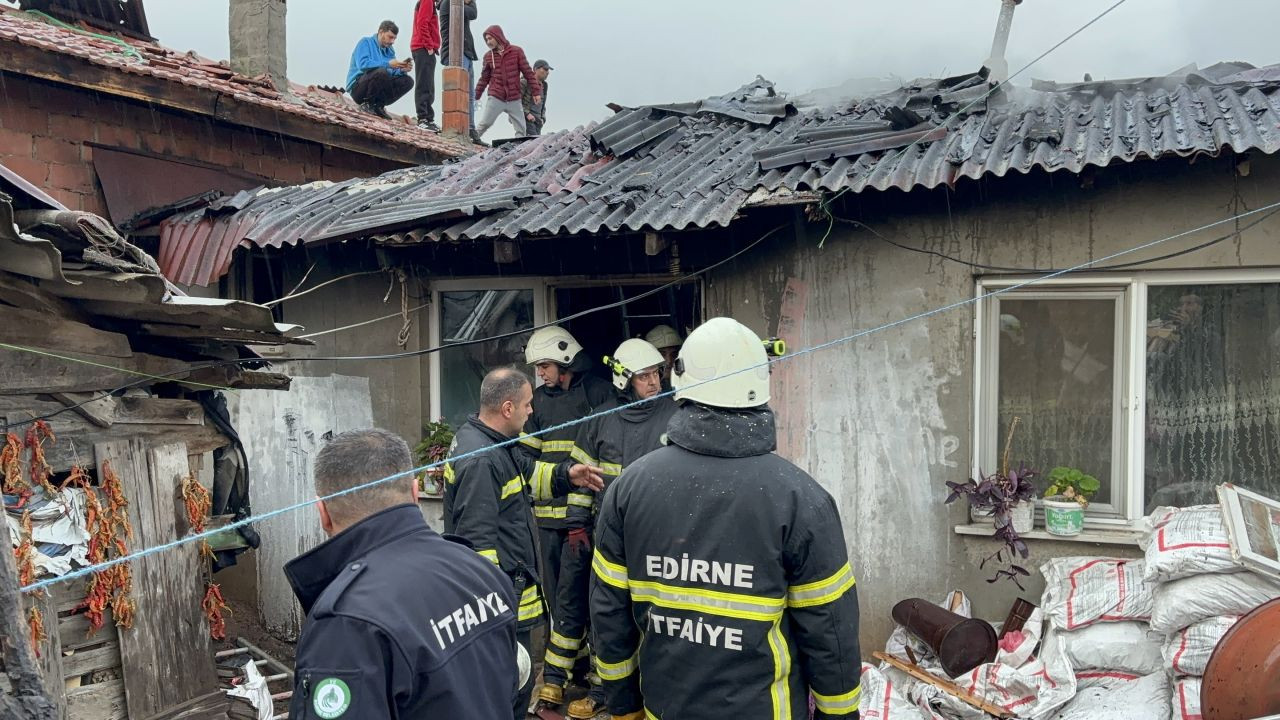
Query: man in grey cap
535, 114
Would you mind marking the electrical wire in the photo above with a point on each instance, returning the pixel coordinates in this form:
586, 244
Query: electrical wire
291, 296
91, 569
1000, 268
223, 363
330, 331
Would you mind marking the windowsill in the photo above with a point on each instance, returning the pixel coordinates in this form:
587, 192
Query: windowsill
1116, 536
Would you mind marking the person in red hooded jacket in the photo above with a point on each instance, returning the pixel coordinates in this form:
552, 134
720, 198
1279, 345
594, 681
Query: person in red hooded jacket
503, 66
425, 46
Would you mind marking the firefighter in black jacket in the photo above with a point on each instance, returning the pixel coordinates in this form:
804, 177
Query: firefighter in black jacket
485, 494
401, 623
720, 570
615, 441
568, 392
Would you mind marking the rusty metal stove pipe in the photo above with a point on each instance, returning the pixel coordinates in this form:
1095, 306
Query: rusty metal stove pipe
960, 643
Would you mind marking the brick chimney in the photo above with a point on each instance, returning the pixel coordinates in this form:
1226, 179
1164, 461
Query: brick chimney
258, 40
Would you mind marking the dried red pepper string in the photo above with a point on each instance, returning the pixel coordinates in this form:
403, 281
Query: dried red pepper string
214, 606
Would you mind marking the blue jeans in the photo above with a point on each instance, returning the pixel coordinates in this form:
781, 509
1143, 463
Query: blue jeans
471, 87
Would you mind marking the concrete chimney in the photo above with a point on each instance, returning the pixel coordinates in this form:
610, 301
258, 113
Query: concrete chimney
258, 40
998, 66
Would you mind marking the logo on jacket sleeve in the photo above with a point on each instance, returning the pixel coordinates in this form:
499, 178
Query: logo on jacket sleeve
332, 698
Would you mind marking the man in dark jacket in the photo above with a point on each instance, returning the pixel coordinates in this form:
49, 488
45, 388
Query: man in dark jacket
469, 56
500, 74
720, 574
375, 78
615, 441
425, 45
401, 622
485, 494
535, 113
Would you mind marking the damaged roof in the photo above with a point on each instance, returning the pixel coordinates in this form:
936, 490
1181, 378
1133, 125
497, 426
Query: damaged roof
694, 165
76, 266
142, 60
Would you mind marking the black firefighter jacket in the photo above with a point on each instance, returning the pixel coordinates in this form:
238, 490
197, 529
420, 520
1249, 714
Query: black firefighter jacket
485, 502
730, 563
402, 623
623, 436
553, 407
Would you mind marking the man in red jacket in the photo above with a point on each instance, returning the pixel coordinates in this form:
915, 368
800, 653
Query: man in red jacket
425, 46
503, 66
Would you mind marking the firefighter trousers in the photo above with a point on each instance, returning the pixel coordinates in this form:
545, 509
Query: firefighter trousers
566, 556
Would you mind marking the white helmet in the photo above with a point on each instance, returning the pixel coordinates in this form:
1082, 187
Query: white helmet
634, 355
664, 336
551, 344
722, 348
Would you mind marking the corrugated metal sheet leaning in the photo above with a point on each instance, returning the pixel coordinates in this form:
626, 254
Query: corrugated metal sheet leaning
694, 165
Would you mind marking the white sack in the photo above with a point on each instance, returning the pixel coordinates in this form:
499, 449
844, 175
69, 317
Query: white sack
882, 700
1186, 699
1187, 651
1181, 542
1116, 696
61, 520
255, 690
1081, 591
1034, 690
1129, 646
1185, 602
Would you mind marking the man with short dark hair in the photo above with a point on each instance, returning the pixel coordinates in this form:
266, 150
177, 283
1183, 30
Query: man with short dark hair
401, 622
375, 77
425, 45
485, 495
535, 113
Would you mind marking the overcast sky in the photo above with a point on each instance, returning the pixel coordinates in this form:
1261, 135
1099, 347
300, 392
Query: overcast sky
644, 51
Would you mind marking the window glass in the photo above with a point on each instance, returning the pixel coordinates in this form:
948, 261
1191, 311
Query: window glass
1057, 360
468, 315
1213, 391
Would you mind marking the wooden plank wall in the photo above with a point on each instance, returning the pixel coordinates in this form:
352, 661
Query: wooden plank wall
167, 655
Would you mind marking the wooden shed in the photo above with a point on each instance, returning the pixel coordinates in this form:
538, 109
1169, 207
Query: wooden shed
124, 374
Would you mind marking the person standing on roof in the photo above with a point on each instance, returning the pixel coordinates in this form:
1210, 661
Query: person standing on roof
469, 56
376, 78
425, 45
668, 342
383, 596
535, 113
720, 574
500, 74
616, 441
485, 498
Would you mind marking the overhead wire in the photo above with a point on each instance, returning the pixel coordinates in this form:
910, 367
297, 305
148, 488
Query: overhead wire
91, 569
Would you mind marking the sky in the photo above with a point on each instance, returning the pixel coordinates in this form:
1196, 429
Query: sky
635, 52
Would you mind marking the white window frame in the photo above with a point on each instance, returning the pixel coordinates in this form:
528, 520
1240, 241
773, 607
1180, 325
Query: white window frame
537, 285
1128, 461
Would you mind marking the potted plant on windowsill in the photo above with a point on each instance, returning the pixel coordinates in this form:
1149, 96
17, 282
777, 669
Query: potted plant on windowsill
1008, 496
1066, 498
437, 438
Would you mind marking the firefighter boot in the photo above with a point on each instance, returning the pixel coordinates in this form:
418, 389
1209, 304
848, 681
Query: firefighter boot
551, 694
585, 708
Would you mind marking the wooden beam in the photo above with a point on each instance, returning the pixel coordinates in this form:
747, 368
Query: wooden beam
98, 411
944, 685
53, 332
30, 699
57, 67
654, 243
19, 292
25, 373
249, 337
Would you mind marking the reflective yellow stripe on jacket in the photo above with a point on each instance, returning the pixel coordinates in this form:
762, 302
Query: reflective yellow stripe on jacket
843, 704
530, 604
822, 591
617, 671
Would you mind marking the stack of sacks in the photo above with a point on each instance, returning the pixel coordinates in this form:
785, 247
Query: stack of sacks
1099, 611
1200, 593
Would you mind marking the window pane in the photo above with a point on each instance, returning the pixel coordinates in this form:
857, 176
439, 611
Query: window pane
467, 315
1057, 373
1213, 391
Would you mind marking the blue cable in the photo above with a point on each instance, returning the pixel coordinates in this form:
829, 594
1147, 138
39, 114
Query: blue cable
86, 571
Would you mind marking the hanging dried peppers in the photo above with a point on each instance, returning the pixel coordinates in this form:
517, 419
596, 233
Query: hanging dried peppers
11, 464
108, 527
214, 606
41, 471
199, 502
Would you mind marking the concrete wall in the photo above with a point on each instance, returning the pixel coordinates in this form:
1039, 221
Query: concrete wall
48, 133
884, 421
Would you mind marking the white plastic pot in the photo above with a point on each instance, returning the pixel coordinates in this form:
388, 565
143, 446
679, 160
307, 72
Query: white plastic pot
1063, 516
1023, 516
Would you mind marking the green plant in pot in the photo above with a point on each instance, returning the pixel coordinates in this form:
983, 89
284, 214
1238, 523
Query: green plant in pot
1068, 494
437, 438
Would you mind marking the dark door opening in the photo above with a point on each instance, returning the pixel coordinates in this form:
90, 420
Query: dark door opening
600, 333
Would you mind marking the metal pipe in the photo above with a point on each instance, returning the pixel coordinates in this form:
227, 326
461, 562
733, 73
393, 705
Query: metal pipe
997, 64
273, 663
457, 23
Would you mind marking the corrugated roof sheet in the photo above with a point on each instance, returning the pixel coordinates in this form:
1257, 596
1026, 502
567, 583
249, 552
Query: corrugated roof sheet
137, 57
697, 165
